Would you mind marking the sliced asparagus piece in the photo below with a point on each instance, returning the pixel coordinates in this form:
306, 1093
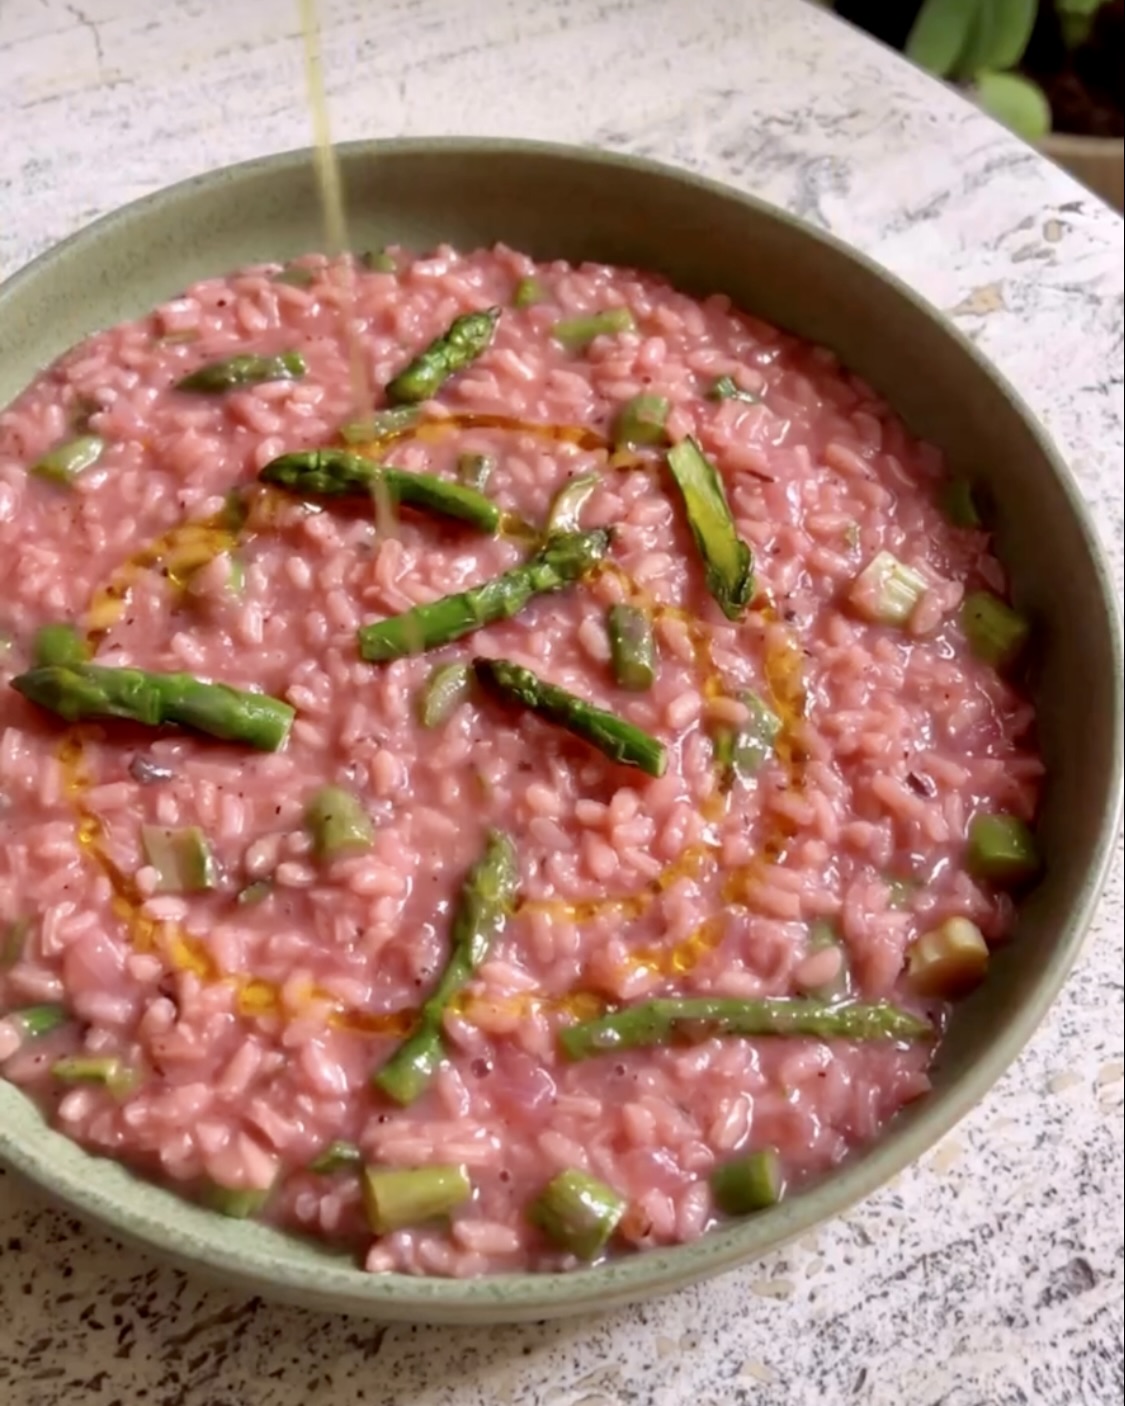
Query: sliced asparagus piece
671, 1020
295, 275
886, 591
182, 858
474, 470
642, 421
565, 512
59, 644
960, 505
486, 901
467, 337
237, 1202
339, 473
86, 692
40, 1020
578, 1213
726, 558
254, 893
949, 961
621, 741
1002, 850
395, 1197
13, 940
727, 388
336, 1157
447, 686
632, 647
743, 751
576, 333
379, 261
529, 291
107, 1070
383, 424
747, 1184
561, 561
338, 824
823, 937
996, 633
244, 370
65, 462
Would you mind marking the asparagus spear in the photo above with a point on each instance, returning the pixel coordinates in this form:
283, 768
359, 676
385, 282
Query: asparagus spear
578, 1212
83, 692
559, 562
395, 1197
632, 647
338, 473
485, 902
59, 644
726, 558
467, 337
244, 370
65, 462
620, 740
668, 1020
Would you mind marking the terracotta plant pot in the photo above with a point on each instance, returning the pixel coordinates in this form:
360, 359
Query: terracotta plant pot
1098, 162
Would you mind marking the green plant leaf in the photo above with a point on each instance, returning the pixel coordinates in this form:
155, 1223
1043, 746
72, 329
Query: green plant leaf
941, 32
1017, 102
1076, 18
1079, 7
999, 36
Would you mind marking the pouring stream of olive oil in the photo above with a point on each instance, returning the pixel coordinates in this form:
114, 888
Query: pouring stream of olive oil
331, 184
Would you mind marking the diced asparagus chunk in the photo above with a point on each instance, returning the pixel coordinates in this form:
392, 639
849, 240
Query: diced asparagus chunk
949, 961
642, 421
578, 1213
886, 592
182, 858
747, 1184
1002, 850
632, 647
996, 633
338, 823
64, 463
396, 1197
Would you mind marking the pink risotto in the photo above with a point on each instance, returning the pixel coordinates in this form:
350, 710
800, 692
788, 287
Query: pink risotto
614, 887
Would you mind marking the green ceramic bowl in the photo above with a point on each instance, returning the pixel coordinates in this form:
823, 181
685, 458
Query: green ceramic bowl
555, 202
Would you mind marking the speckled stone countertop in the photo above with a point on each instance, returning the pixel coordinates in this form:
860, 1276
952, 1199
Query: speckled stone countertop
991, 1275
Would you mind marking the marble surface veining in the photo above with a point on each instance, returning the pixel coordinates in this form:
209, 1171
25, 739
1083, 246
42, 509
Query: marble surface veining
993, 1273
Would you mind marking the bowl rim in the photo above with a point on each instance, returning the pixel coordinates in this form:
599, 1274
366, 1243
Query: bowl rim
344, 1287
